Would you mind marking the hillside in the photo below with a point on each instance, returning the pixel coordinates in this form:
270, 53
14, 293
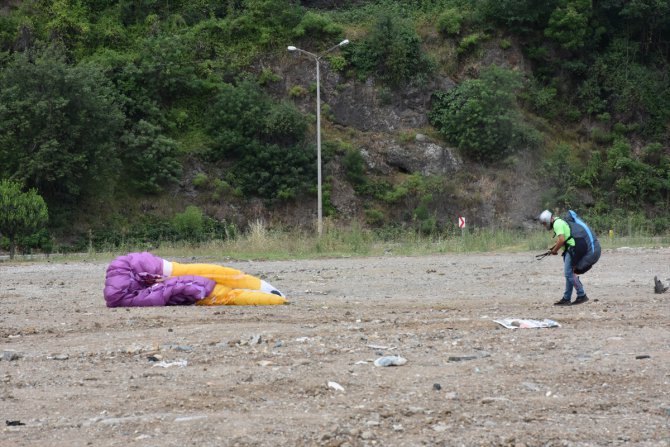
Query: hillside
181, 120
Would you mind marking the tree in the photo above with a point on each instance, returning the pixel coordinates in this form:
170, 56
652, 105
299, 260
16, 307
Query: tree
569, 24
59, 125
21, 213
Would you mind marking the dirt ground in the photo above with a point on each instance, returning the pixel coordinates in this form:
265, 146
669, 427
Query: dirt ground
75, 373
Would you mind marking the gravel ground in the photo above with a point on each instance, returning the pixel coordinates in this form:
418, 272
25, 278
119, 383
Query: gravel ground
75, 373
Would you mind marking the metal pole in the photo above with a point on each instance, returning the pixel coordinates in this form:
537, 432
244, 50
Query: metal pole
319, 193
318, 151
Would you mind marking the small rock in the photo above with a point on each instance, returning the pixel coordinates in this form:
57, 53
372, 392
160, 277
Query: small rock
490, 400
10, 355
461, 358
390, 360
133, 349
452, 395
530, 386
367, 435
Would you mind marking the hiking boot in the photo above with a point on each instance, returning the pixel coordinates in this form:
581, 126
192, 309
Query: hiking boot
581, 299
563, 302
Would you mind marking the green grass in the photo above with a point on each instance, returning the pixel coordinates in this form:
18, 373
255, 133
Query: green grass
261, 243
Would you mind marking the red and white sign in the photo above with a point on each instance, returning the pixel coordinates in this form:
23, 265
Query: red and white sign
461, 222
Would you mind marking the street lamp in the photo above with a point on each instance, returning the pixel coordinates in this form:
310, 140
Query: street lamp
317, 58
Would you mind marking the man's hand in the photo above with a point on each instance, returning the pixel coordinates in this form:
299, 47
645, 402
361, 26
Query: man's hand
559, 243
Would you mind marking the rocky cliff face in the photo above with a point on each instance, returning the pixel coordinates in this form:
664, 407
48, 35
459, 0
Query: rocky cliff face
392, 133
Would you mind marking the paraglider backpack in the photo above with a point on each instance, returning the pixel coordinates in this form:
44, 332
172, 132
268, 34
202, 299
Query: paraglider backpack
587, 247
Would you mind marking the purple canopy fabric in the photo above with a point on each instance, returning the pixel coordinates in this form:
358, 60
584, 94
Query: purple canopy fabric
137, 279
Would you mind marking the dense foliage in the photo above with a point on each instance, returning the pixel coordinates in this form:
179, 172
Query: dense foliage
481, 116
391, 52
108, 101
58, 124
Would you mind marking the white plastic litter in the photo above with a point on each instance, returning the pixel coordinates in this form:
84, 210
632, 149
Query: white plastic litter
519, 323
164, 364
336, 386
390, 360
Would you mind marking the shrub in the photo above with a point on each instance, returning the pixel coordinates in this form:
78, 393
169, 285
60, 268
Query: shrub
317, 25
392, 52
283, 124
601, 136
267, 76
449, 22
560, 170
337, 62
374, 217
297, 91
469, 42
200, 180
482, 118
189, 225
354, 166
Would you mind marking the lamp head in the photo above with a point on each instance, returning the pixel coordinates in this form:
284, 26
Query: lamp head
343, 43
291, 48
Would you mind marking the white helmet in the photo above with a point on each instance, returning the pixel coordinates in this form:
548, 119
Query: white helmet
545, 218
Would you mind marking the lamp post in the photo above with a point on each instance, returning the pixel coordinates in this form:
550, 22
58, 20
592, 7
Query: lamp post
317, 58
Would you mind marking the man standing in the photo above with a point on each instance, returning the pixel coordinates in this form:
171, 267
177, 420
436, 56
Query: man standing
572, 252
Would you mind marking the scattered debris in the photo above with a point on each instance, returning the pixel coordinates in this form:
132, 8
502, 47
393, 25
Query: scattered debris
642, 357
390, 360
389, 348
10, 355
659, 287
519, 323
466, 357
183, 348
164, 364
190, 418
13, 423
336, 386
